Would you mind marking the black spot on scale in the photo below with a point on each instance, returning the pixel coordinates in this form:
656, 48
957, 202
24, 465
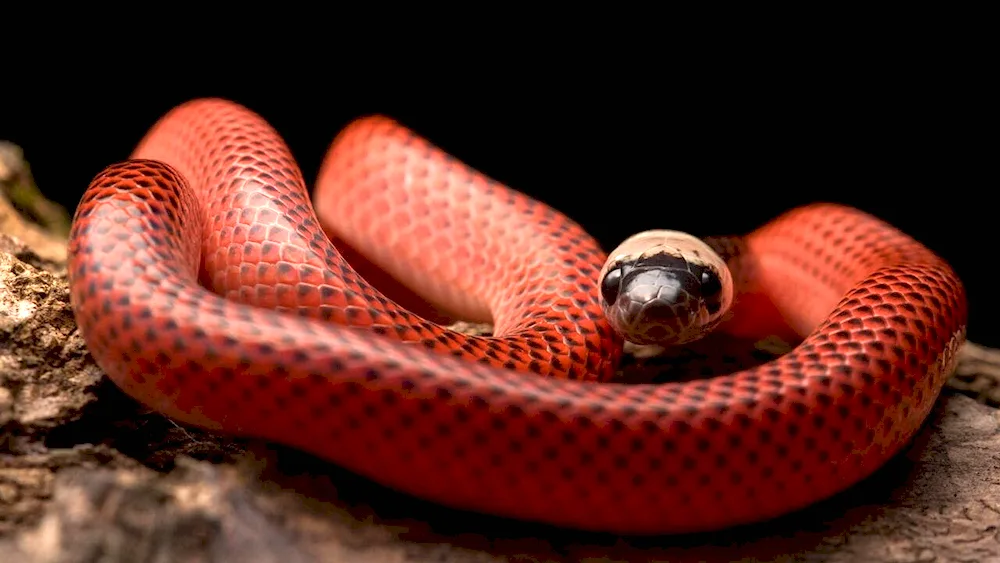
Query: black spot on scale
159, 195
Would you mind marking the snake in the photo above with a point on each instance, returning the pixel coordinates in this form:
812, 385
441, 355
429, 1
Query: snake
212, 287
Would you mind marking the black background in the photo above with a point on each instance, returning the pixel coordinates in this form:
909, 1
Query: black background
706, 149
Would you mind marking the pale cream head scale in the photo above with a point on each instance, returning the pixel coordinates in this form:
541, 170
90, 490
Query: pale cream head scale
664, 287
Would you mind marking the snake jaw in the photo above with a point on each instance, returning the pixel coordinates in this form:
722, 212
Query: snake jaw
665, 288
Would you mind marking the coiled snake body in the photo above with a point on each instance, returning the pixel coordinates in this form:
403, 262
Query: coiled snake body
289, 343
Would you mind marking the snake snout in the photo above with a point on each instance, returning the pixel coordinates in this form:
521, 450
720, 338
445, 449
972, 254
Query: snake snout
660, 305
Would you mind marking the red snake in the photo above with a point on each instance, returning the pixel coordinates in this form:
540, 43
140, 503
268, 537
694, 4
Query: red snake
205, 286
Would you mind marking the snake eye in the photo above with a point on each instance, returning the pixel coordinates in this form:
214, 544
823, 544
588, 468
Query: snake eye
611, 285
711, 285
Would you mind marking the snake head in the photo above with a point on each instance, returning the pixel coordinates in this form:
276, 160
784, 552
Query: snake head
665, 288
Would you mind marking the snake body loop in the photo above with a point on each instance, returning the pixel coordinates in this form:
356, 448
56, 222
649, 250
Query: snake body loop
205, 286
